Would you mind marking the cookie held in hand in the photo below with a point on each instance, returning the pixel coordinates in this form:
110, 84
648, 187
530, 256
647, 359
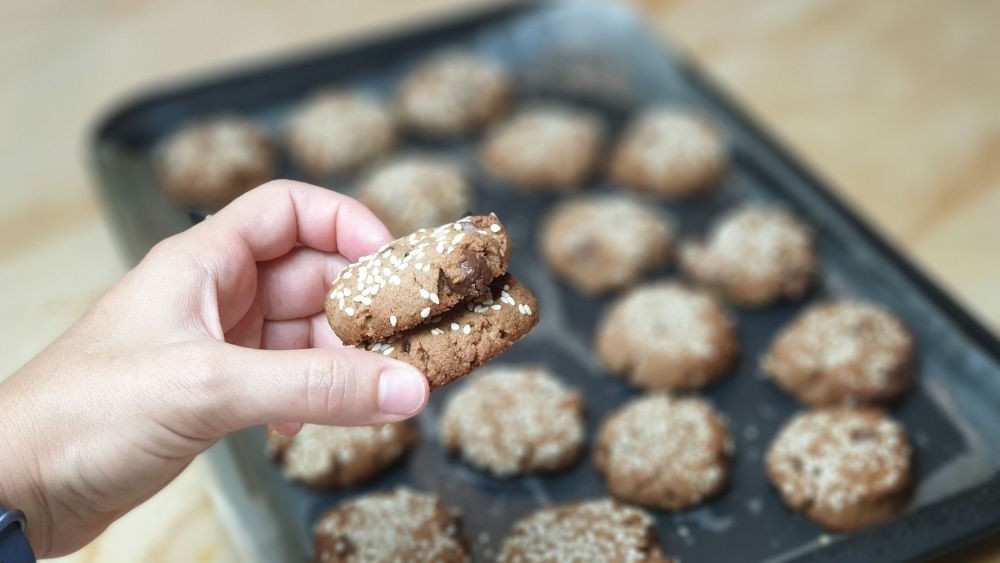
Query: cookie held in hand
438, 299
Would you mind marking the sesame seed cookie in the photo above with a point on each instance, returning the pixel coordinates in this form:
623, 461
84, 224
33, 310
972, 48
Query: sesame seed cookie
754, 256
416, 192
605, 243
453, 344
597, 530
453, 93
545, 148
513, 420
670, 152
403, 525
209, 163
415, 278
664, 452
844, 468
337, 131
323, 457
667, 336
842, 353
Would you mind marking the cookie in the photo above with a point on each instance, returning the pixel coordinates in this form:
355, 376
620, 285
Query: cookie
453, 93
842, 353
453, 344
416, 192
670, 152
415, 278
664, 335
605, 243
597, 530
546, 148
207, 164
324, 457
403, 525
664, 452
754, 257
844, 468
514, 420
337, 131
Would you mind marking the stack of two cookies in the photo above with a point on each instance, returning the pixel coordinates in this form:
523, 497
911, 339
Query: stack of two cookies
440, 299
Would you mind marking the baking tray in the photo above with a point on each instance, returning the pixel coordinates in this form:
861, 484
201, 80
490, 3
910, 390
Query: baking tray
602, 57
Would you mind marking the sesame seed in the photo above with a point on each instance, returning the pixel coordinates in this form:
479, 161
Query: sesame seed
466, 329
394, 280
495, 228
495, 307
527, 309
387, 351
437, 331
392, 320
347, 274
425, 312
349, 311
454, 326
424, 294
434, 298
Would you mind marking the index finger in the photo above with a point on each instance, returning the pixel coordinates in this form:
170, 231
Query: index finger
275, 217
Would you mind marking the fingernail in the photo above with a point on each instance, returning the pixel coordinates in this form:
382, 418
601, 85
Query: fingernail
401, 391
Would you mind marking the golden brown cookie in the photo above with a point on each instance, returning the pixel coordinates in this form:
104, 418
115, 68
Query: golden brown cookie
403, 525
336, 131
664, 452
605, 243
586, 532
513, 420
670, 152
323, 457
545, 148
754, 256
842, 353
416, 278
453, 344
453, 93
844, 468
209, 163
667, 336
416, 192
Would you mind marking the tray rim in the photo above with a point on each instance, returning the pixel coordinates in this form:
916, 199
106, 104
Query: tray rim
981, 502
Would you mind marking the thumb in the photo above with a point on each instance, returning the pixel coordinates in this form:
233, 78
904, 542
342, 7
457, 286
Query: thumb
333, 386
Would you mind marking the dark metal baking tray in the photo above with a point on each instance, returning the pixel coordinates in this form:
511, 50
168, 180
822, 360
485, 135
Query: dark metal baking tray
601, 57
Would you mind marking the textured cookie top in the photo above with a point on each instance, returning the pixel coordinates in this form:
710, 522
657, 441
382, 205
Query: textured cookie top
755, 255
666, 335
400, 526
338, 456
670, 151
679, 443
451, 345
416, 278
416, 192
600, 530
453, 93
337, 131
604, 243
514, 419
543, 148
836, 458
850, 351
208, 163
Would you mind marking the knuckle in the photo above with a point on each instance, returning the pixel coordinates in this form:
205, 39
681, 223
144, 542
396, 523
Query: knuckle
331, 387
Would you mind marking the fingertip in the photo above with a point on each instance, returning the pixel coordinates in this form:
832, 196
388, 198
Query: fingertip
287, 429
402, 391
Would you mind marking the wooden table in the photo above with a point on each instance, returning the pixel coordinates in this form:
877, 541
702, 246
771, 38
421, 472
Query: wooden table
896, 102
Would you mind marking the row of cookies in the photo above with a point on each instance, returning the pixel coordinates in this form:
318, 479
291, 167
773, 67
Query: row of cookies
406, 525
207, 163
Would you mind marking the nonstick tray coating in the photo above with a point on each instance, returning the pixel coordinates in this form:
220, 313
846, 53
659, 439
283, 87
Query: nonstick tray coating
600, 57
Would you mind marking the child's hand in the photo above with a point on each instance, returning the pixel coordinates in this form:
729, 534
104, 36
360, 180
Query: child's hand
219, 328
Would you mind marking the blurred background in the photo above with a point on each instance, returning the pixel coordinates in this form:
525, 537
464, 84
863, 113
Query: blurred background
897, 103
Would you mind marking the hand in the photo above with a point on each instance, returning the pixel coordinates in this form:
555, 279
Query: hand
217, 329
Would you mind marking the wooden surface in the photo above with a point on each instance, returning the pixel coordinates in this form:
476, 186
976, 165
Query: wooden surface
897, 102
